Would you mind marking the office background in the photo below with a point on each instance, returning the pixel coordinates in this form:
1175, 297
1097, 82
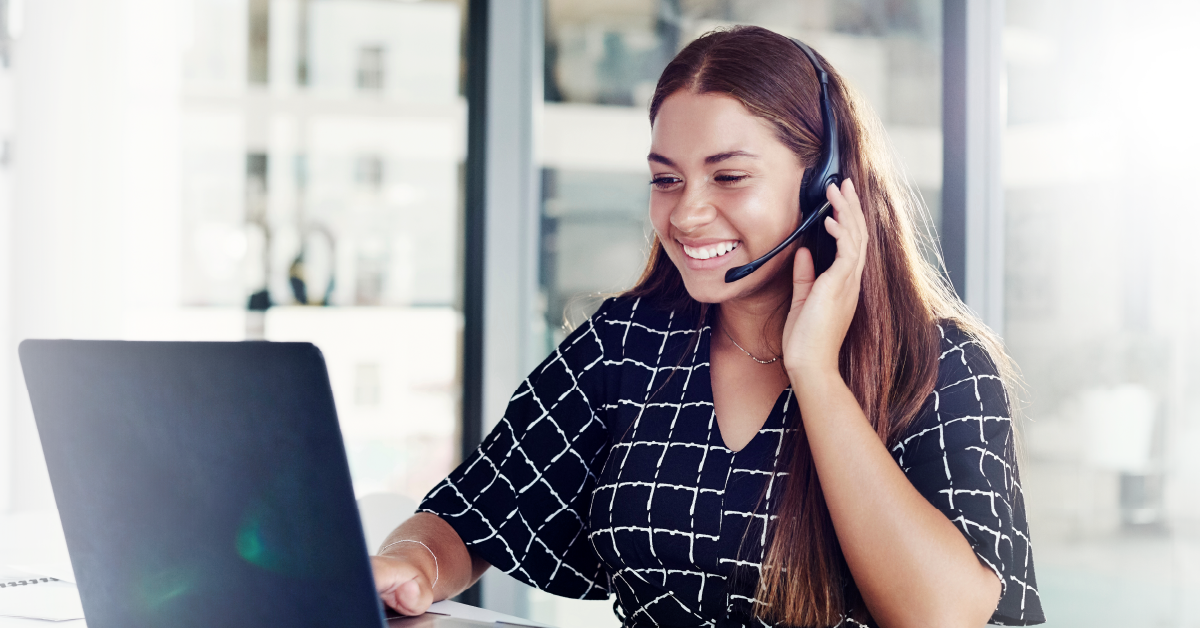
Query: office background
171, 168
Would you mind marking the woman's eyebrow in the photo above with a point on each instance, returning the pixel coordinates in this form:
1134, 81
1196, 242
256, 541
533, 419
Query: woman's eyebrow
712, 159
660, 159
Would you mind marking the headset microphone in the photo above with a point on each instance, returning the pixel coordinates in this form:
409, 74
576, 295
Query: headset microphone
814, 205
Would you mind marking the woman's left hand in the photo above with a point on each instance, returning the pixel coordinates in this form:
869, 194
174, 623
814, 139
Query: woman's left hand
822, 309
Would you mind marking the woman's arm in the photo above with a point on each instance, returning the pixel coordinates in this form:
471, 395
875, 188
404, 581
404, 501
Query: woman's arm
912, 566
405, 573
520, 499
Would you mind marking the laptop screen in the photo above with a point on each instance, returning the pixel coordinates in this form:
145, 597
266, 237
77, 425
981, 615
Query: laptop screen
201, 483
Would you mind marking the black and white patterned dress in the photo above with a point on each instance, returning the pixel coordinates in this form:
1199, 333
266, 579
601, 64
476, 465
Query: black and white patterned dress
608, 475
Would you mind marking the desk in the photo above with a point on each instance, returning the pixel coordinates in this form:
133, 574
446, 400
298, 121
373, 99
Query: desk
33, 538
446, 608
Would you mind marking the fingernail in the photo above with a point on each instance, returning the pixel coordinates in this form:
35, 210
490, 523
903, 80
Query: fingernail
851, 183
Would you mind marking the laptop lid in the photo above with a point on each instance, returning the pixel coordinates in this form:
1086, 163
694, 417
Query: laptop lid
201, 483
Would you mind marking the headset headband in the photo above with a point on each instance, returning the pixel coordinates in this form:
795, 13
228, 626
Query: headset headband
825, 172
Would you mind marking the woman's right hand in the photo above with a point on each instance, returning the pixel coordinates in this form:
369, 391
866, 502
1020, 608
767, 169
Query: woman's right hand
423, 554
401, 581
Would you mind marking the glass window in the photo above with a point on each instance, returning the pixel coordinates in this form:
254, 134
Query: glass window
1101, 284
370, 68
602, 63
601, 66
322, 151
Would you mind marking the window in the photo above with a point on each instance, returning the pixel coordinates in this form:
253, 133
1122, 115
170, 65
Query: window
368, 173
258, 56
1101, 285
314, 182
602, 63
370, 68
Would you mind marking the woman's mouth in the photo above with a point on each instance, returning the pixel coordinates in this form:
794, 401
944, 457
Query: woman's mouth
710, 251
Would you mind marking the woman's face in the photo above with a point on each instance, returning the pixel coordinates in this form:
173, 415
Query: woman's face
724, 192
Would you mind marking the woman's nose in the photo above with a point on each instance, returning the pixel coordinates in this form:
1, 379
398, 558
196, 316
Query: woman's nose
694, 210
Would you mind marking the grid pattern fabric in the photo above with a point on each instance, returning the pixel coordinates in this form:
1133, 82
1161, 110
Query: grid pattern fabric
960, 454
608, 475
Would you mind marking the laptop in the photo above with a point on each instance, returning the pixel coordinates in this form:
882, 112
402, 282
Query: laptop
203, 484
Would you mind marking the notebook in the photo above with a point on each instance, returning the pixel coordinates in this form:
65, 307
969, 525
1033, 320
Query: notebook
38, 597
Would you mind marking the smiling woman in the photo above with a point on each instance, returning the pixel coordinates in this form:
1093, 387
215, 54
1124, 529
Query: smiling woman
821, 443
739, 165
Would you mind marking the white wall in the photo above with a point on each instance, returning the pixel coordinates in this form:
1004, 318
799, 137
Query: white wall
8, 357
93, 225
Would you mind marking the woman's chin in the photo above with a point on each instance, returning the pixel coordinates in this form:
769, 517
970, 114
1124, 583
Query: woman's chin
705, 278
707, 285
710, 286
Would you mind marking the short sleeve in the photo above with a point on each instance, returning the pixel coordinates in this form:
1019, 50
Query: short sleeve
520, 501
960, 454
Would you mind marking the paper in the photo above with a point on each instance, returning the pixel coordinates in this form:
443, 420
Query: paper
463, 611
55, 601
61, 571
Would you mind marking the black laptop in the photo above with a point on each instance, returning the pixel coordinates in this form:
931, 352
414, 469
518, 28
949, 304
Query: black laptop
202, 484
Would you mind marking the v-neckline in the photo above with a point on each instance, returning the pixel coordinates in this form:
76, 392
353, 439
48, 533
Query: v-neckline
704, 354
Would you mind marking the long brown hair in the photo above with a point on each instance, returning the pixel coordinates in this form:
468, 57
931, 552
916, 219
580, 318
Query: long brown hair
889, 358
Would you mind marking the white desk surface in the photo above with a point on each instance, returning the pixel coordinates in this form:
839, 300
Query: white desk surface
35, 538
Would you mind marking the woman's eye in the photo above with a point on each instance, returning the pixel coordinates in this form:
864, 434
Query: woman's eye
663, 183
729, 178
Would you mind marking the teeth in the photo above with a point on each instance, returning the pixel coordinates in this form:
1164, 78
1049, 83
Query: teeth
709, 252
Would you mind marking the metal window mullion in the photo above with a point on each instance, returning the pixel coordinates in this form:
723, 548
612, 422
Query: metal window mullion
501, 235
973, 125
510, 198
475, 90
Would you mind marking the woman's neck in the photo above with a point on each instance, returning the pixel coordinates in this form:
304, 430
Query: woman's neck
755, 322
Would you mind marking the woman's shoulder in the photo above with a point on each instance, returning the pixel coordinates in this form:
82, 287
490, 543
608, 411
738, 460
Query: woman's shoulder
969, 401
962, 357
967, 410
969, 398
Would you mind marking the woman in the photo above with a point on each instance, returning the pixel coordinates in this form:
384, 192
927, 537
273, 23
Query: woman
794, 448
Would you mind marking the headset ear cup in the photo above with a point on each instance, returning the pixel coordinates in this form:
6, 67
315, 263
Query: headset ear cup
805, 190
822, 246
806, 180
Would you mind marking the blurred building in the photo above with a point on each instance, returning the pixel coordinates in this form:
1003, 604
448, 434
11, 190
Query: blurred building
229, 155
322, 143
347, 123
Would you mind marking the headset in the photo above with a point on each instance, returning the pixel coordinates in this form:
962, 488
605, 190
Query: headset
814, 205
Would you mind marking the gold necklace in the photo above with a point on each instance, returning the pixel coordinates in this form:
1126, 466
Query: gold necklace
771, 361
